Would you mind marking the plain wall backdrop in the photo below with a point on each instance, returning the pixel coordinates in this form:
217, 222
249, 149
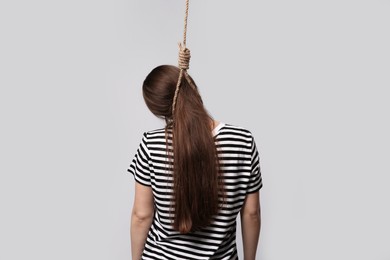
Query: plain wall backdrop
310, 79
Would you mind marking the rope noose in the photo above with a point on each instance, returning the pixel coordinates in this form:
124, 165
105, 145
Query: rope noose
184, 61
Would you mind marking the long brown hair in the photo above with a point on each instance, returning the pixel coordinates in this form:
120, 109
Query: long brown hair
195, 165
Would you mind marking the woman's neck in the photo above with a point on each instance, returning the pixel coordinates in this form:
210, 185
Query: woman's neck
213, 124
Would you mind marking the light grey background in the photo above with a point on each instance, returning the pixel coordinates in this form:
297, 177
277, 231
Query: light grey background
310, 79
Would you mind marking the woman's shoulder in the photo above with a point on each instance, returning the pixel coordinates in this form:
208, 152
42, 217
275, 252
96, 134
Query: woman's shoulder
155, 133
235, 129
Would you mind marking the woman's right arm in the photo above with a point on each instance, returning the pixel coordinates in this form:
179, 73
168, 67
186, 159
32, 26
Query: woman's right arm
250, 225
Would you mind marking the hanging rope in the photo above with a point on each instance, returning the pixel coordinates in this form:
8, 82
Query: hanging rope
184, 60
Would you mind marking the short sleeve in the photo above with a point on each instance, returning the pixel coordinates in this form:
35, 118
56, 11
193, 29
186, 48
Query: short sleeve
140, 165
255, 180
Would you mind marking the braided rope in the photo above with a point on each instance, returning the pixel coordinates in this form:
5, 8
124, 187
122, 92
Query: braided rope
185, 23
184, 60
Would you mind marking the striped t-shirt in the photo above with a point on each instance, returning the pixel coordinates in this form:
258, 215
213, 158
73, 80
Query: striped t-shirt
240, 164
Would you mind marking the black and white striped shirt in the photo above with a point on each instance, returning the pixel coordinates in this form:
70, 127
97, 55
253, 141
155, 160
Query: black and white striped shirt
240, 160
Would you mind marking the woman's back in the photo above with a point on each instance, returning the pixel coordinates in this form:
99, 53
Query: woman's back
240, 170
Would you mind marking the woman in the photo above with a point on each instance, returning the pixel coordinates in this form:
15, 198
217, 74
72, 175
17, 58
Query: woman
192, 177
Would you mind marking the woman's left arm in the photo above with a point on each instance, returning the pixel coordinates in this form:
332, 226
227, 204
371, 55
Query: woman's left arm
141, 218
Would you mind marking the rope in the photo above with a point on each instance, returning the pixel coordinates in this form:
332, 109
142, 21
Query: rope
184, 60
185, 23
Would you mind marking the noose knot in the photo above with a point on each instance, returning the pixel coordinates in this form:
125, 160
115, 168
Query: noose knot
184, 57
